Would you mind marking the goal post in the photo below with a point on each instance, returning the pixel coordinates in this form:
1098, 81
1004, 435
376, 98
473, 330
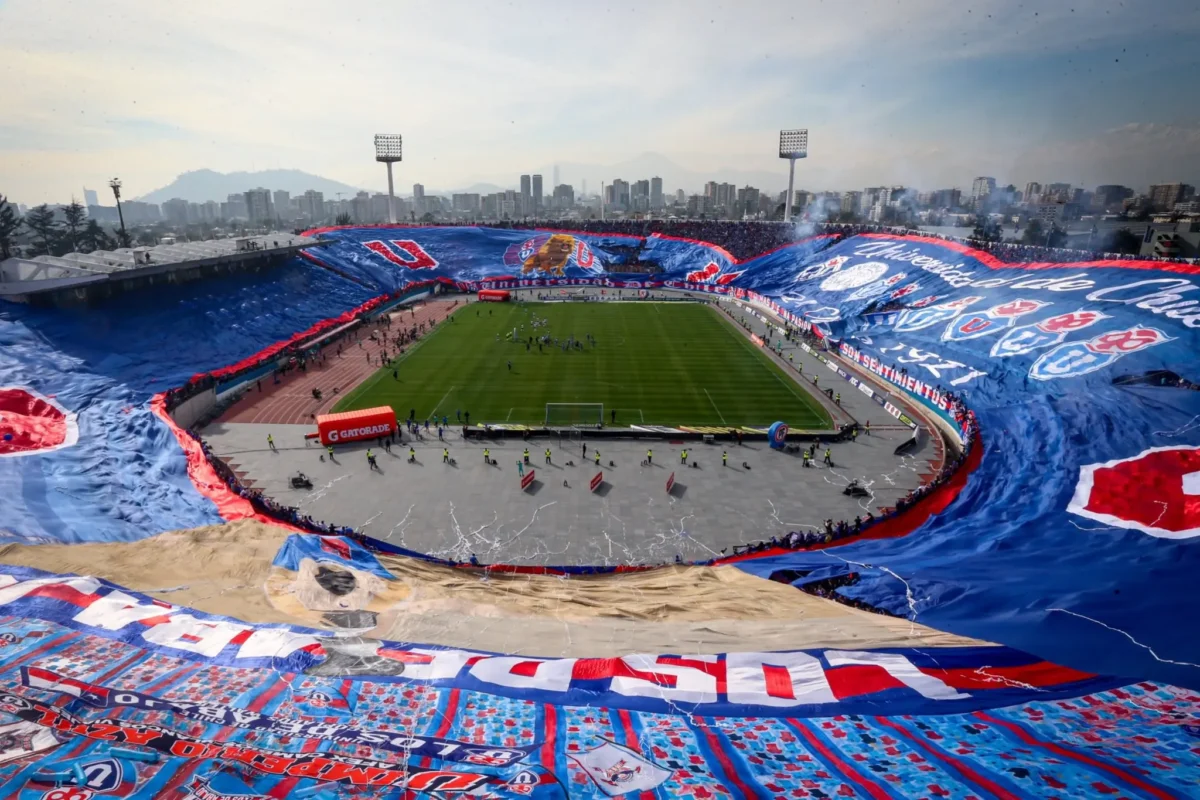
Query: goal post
565, 415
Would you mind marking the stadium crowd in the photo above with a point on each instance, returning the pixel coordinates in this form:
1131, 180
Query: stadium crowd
745, 240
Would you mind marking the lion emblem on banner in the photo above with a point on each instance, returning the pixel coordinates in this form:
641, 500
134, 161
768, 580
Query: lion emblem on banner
549, 254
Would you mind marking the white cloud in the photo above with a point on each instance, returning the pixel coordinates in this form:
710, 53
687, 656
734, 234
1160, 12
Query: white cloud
148, 90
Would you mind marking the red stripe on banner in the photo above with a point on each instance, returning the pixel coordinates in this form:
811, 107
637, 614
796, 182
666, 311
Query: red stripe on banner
50, 644
230, 506
1039, 673
1066, 752
853, 680
958, 766
871, 787
65, 593
630, 741
447, 722
549, 727
284, 681
718, 749
779, 682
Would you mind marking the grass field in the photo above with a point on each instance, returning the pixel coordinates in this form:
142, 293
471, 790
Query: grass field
654, 363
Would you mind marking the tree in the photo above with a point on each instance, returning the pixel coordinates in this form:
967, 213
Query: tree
1056, 237
342, 219
427, 217
96, 238
986, 230
9, 224
41, 221
1034, 233
1124, 241
75, 214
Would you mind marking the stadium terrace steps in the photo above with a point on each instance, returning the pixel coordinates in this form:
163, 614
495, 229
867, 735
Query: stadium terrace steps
1081, 477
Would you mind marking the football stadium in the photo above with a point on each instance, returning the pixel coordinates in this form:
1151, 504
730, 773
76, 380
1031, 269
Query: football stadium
609, 508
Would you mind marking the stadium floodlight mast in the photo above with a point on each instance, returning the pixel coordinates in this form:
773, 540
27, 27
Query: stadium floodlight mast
793, 144
388, 150
115, 185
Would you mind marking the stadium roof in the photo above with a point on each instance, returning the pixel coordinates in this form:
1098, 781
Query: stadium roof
24, 276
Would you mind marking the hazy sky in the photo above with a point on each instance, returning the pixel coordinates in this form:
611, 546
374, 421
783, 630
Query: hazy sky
923, 93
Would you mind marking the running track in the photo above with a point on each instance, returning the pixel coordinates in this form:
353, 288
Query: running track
291, 402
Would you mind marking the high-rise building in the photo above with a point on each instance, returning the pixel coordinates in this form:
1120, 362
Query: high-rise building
312, 205
639, 195
526, 199
724, 196
1166, 195
176, 211
851, 202
747, 200
981, 188
90, 198
680, 196
258, 205
710, 190
418, 199
1056, 193
282, 201
465, 203
1033, 192
564, 197
656, 193
1110, 196
537, 194
616, 194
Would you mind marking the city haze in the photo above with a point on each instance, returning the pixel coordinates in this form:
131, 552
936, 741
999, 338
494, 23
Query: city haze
918, 94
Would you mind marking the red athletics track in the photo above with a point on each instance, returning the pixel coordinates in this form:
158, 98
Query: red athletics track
290, 402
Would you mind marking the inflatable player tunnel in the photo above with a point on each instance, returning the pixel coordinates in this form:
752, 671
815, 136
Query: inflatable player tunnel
352, 426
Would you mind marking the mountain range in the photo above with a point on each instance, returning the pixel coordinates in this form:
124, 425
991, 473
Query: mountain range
201, 185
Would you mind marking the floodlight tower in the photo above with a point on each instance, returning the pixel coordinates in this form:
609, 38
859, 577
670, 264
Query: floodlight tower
388, 150
793, 144
115, 185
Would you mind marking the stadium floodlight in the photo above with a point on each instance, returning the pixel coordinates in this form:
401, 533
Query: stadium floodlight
793, 144
388, 149
115, 185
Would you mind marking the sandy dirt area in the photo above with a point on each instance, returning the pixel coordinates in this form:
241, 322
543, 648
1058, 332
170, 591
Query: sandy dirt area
226, 569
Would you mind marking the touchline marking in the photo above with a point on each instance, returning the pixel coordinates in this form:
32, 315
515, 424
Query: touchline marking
439, 402
714, 405
1145, 647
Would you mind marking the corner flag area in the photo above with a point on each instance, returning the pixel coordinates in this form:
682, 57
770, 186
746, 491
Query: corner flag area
671, 363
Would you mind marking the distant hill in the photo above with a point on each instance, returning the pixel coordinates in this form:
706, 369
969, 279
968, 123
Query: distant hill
202, 185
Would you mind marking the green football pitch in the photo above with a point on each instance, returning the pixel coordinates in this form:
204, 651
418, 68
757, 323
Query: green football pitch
653, 363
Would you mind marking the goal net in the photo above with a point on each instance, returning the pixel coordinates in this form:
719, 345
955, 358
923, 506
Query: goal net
564, 415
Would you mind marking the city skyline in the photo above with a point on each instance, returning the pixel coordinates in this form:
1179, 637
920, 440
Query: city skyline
1023, 93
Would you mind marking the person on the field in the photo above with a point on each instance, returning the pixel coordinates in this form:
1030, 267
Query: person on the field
445, 454
487, 456
828, 456
371, 460
724, 459
683, 457
649, 456
547, 455
526, 455
270, 441
412, 455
